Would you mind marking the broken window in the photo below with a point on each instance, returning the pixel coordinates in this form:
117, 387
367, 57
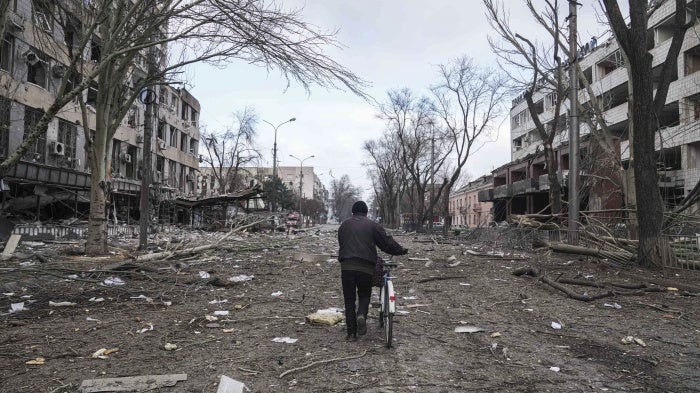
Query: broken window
131, 170
92, 95
6, 53
193, 146
163, 95
116, 151
95, 49
43, 15
184, 113
172, 173
37, 68
610, 64
183, 141
67, 135
160, 133
692, 60
132, 120
36, 152
193, 117
173, 136
4, 125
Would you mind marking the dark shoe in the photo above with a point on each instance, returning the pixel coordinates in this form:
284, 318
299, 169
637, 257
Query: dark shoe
351, 337
361, 325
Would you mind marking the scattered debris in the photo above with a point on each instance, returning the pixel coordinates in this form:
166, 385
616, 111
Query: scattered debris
555, 369
276, 294
113, 281
328, 317
61, 304
614, 305
287, 340
322, 362
35, 362
632, 339
241, 278
131, 384
230, 385
468, 329
556, 325
102, 353
170, 347
16, 307
495, 334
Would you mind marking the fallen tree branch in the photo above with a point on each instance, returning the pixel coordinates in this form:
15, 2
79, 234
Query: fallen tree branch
439, 278
322, 362
557, 284
194, 250
621, 255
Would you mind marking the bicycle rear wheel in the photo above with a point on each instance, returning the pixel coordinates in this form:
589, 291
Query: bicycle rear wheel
387, 318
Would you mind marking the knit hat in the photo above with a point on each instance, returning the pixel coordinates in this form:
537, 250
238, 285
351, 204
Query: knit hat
359, 207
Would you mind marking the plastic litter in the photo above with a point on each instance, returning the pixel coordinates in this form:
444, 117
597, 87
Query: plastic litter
286, 340
61, 304
555, 369
468, 329
221, 312
241, 278
277, 294
614, 305
556, 325
203, 275
113, 281
16, 307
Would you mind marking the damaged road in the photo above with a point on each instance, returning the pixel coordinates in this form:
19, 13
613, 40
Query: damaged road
241, 309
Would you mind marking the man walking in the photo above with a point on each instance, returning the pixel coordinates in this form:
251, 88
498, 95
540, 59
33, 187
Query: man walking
358, 238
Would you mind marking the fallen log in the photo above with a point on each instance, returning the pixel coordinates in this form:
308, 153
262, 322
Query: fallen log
619, 256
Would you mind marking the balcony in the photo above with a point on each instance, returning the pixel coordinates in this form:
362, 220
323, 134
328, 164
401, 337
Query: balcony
526, 186
504, 191
486, 195
544, 180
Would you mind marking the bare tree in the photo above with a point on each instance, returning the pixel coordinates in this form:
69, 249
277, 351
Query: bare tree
227, 151
469, 103
108, 37
647, 97
387, 174
343, 195
422, 147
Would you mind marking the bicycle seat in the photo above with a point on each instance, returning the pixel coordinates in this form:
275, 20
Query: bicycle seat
390, 264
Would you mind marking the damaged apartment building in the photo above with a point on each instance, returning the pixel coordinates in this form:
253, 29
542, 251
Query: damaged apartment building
52, 179
521, 186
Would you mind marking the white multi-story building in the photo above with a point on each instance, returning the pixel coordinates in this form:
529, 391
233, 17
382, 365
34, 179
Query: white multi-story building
521, 185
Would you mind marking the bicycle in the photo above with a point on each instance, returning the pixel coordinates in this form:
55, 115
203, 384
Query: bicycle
387, 302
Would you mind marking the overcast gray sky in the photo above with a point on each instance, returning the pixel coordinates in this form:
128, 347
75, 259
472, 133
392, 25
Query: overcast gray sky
390, 43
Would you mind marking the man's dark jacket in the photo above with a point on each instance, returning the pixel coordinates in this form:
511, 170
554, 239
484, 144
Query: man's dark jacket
359, 238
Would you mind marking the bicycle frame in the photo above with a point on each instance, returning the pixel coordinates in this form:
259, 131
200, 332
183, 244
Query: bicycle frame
390, 290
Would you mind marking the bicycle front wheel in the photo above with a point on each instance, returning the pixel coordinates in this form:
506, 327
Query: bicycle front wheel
387, 317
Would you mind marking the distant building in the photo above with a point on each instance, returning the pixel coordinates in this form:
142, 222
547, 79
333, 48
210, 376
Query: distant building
464, 205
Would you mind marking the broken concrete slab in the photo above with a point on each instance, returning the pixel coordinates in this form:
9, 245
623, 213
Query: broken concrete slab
130, 384
325, 318
11, 245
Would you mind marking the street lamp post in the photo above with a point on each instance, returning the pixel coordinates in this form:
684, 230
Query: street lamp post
301, 175
274, 153
274, 146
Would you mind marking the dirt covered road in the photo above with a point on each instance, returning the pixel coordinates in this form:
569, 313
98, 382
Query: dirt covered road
240, 312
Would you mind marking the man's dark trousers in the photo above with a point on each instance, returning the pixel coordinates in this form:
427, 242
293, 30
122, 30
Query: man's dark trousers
362, 283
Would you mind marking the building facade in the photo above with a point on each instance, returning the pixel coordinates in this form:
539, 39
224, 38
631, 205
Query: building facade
52, 179
521, 186
465, 207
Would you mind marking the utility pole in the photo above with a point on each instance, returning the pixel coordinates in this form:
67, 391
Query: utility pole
150, 98
573, 126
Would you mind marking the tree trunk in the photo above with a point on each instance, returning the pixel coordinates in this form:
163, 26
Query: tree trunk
97, 224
